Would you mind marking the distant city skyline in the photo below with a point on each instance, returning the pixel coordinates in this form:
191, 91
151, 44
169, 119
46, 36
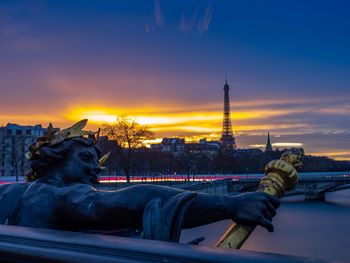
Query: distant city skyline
164, 64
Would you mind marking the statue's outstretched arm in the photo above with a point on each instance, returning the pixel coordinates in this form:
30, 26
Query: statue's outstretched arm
124, 208
127, 205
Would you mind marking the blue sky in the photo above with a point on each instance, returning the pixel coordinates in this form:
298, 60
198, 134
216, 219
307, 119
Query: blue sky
287, 63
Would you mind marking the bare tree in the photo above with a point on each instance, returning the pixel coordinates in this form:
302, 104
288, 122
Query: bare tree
129, 136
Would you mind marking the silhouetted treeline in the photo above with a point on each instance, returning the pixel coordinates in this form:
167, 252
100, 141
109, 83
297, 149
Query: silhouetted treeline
150, 162
324, 164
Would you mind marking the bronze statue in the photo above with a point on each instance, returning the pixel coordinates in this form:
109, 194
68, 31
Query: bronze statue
65, 165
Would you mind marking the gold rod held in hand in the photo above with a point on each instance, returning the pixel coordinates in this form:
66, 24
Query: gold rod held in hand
280, 175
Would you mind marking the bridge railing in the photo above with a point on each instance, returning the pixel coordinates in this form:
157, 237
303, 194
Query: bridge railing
19, 244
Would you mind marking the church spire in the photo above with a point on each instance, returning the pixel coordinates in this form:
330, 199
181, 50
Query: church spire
268, 147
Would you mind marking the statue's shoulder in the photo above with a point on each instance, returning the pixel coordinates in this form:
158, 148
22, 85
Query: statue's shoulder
76, 189
10, 197
9, 189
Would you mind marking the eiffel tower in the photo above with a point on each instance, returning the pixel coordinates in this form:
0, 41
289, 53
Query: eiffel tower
227, 140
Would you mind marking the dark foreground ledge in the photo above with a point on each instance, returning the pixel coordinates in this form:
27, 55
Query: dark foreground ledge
21, 244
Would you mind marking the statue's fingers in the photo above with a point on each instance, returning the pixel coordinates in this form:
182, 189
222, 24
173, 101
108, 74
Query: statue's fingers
267, 224
274, 201
267, 214
271, 209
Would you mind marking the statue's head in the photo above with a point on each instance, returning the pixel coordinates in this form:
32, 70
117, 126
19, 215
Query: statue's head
75, 159
66, 154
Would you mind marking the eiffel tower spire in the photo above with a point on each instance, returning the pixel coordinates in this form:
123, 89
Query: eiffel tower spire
227, 139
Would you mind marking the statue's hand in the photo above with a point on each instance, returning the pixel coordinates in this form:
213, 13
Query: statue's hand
253, 209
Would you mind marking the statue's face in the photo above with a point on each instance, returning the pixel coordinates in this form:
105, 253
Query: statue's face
81, 165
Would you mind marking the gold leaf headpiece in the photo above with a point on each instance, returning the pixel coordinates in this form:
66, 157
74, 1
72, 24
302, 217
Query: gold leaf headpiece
104, 158
54, 136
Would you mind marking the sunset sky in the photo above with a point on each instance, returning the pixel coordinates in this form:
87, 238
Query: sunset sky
164, 64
